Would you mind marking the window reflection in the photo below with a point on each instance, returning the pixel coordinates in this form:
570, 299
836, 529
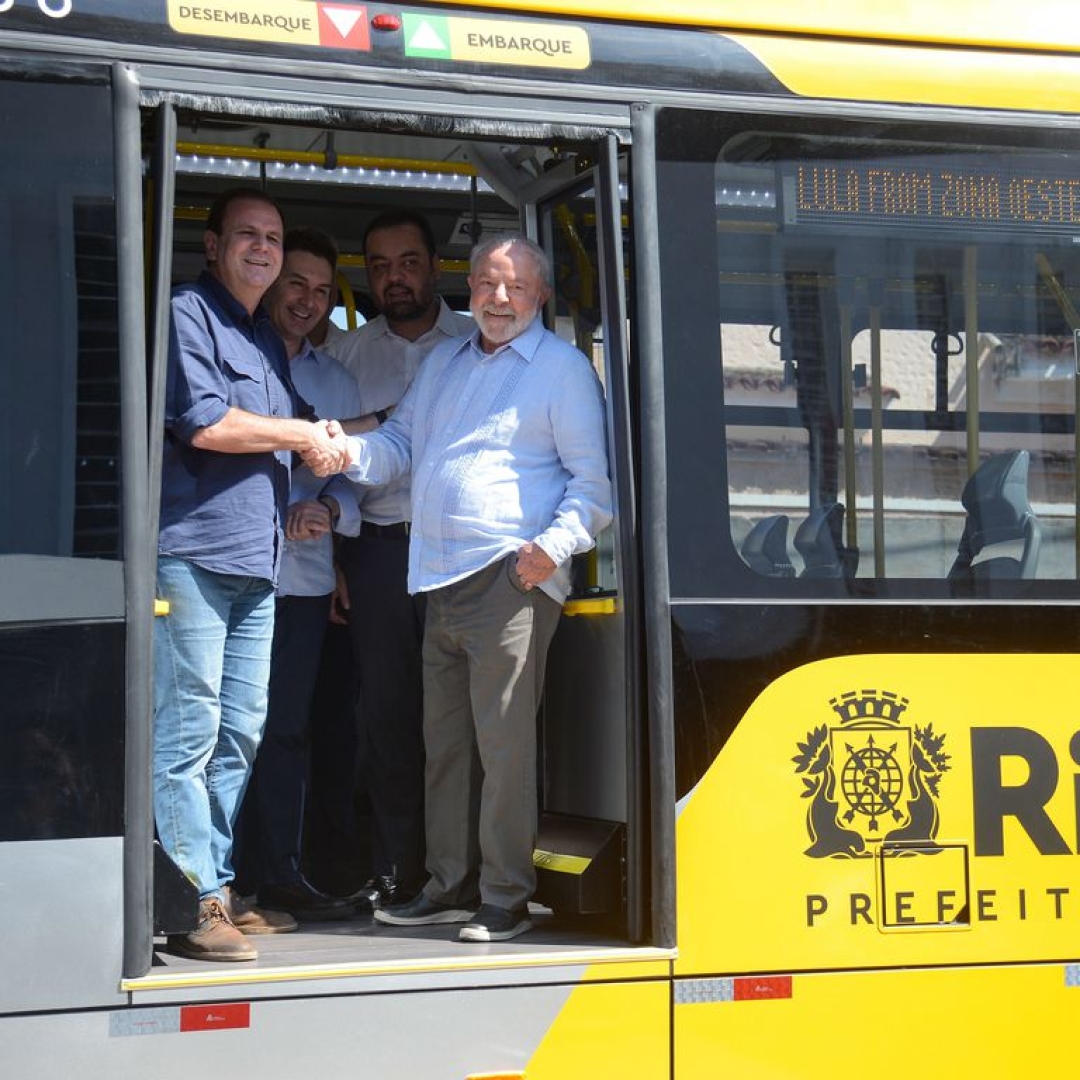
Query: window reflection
59, 384
877, 357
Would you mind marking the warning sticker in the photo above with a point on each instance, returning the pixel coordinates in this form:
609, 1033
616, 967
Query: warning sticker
290, 22
492, 41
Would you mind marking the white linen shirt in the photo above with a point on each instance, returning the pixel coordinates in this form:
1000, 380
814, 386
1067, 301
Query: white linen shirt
307, 566
504, 448
384, 365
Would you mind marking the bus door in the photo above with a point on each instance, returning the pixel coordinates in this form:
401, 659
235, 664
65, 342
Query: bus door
571, 198
589, 850
72, 561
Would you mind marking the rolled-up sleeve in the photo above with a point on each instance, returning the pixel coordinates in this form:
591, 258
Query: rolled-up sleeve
386, 453
197, 393
349, 518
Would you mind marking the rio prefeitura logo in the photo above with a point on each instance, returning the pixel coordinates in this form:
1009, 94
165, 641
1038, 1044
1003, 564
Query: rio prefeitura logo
871, 778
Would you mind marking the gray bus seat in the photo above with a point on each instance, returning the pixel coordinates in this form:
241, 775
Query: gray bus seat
765, 547
998, 513
819, 541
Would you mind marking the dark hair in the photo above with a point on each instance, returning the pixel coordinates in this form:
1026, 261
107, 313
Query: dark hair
314, 242
215, 220
391, 219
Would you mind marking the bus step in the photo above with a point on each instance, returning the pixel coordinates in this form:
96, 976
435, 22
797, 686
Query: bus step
579, 864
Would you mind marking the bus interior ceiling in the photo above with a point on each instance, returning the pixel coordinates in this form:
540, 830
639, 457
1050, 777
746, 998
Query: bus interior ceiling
338, 179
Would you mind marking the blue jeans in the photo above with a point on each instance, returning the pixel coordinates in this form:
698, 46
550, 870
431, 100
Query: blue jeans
211, 671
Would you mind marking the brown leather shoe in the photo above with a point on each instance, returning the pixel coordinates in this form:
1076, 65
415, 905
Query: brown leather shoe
215, 937
249, 919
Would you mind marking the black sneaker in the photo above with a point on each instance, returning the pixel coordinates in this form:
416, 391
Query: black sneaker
421, 911
493, 923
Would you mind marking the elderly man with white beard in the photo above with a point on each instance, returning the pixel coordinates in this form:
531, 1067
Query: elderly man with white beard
503, 432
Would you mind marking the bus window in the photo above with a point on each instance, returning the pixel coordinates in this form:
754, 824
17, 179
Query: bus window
61, 667
60, 489
59, 391
894, 316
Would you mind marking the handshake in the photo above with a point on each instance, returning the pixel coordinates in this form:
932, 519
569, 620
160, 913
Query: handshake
328, 452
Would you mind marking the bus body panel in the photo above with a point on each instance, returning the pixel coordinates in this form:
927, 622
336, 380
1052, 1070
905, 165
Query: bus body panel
63, 924
891, 64
559, 1031
1000, 1022
843, 70
883, 831
899, 810
608, 1029
998, 24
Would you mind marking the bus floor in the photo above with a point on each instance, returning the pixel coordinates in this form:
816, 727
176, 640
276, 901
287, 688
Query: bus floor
360, 943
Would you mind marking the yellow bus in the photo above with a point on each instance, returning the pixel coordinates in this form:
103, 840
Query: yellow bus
809, 798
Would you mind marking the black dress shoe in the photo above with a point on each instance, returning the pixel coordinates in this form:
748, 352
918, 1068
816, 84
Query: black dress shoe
383, 891
304, 901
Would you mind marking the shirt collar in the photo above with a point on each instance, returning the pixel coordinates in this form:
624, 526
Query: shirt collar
307, 354
444, 323
525, 344
447, 321
228, 303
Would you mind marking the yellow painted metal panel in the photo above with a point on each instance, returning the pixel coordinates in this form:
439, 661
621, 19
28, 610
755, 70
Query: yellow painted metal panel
1005, 1023
1050, 24
778, 846
607, 1030
642, 969
591, 605
896, 73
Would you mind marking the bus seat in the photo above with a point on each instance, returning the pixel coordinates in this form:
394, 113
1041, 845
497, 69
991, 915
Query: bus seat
818, 540
998, 513
765, 547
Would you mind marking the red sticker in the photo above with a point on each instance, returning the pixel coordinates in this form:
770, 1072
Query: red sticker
752, 988
344, 27
214, 1015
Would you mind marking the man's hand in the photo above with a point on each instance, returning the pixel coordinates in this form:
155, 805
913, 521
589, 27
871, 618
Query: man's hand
307, 520
329, 450
339, 604
534, 565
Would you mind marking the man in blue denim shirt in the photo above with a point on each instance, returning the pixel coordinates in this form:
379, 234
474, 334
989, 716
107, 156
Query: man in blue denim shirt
232, 424
503, 431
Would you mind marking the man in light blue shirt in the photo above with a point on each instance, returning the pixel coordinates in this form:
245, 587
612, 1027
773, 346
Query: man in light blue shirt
504, 434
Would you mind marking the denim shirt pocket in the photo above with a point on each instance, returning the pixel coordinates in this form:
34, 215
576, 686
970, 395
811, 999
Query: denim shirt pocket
246, 374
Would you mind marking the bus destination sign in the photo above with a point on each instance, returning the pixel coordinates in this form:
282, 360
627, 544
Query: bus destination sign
936, 194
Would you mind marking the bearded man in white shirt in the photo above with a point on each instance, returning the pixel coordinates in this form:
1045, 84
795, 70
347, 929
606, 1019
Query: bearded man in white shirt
386, 623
